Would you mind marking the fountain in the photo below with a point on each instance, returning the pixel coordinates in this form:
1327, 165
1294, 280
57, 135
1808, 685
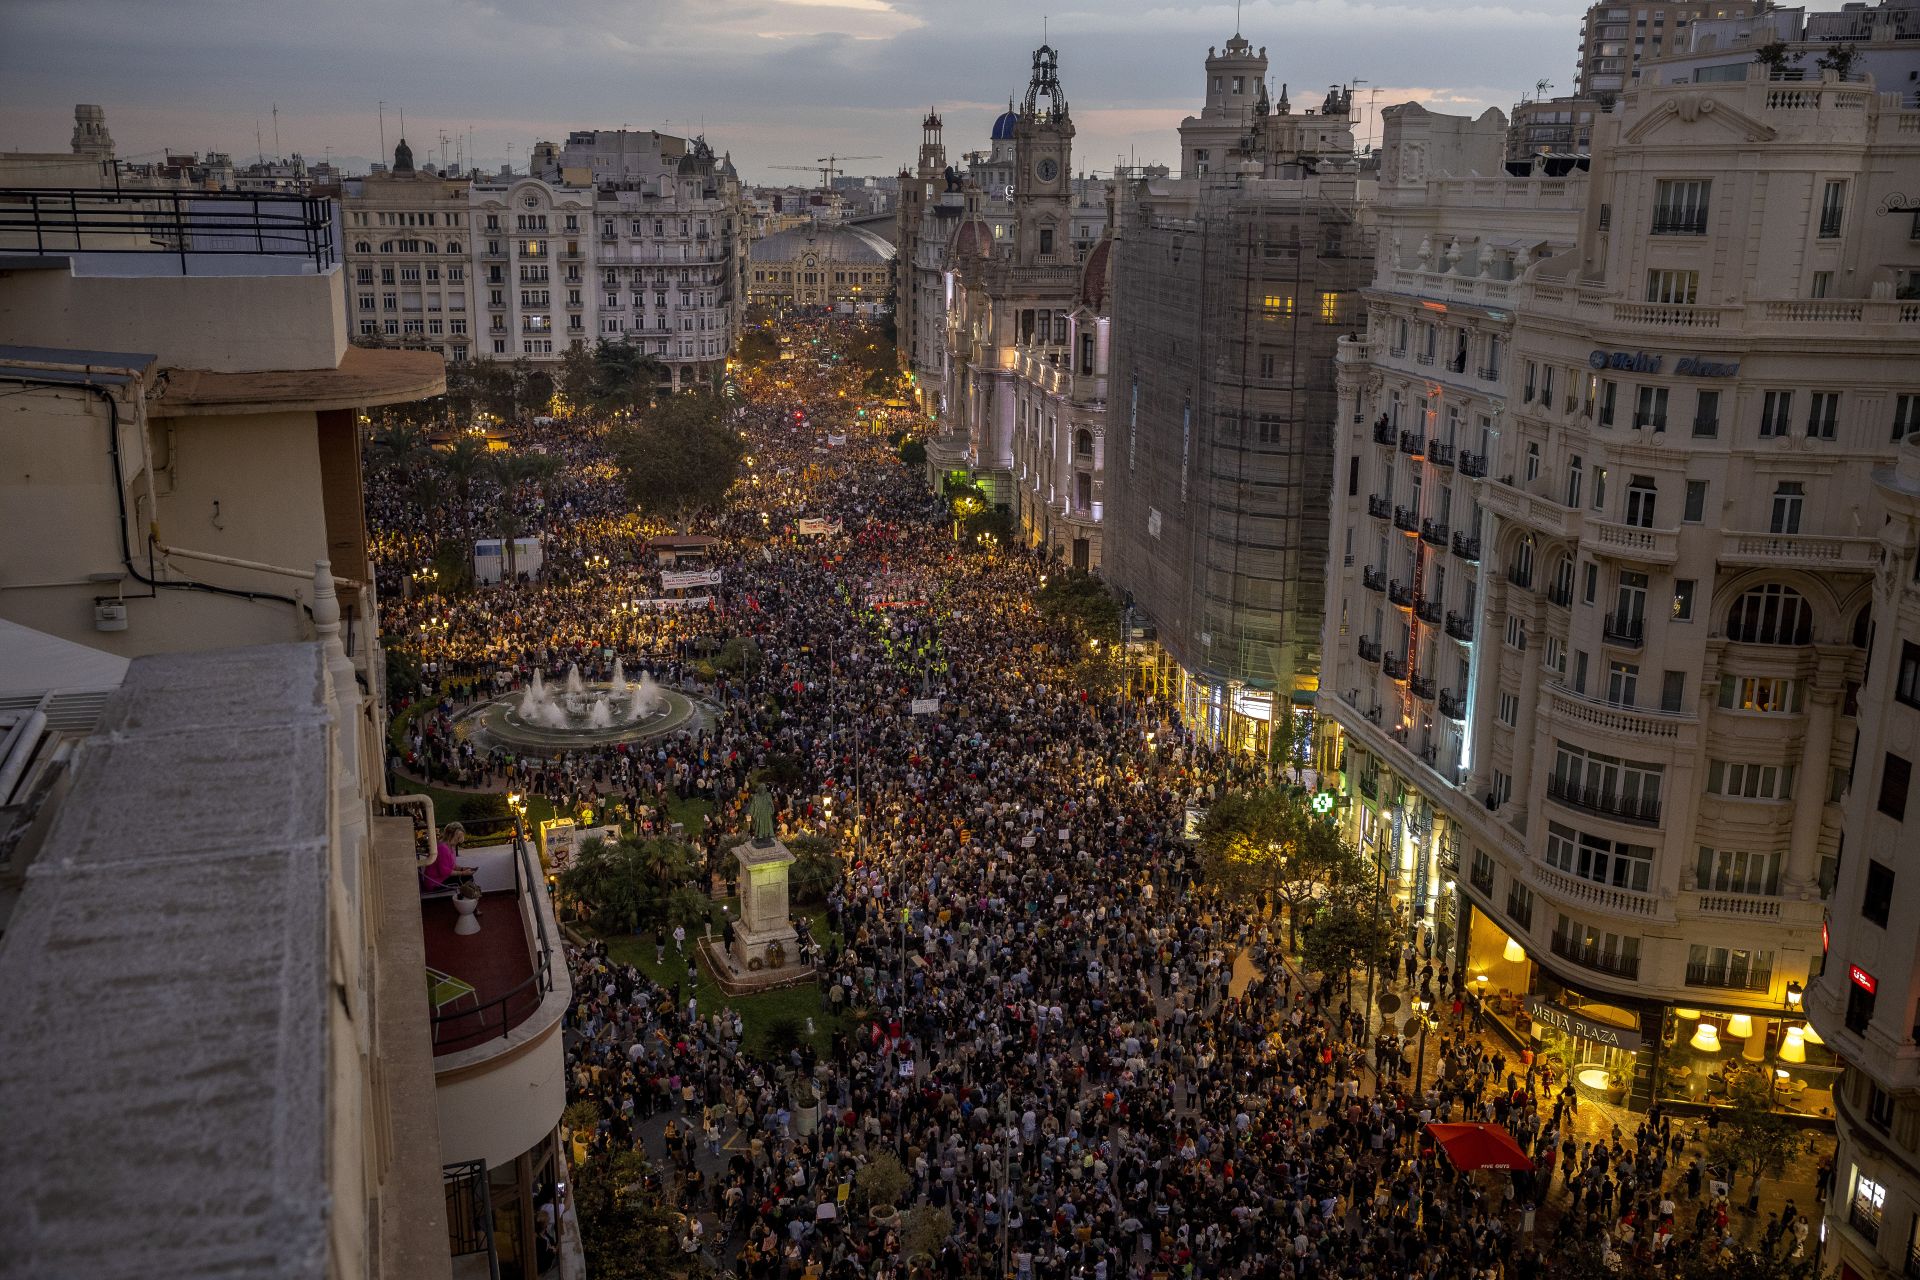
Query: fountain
578, 713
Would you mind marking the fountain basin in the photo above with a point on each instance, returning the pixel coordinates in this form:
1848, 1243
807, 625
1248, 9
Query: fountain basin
594, 717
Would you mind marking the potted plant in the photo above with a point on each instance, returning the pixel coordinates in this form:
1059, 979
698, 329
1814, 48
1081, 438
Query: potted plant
579, 1120
881, 1182
923, 1229
466, 902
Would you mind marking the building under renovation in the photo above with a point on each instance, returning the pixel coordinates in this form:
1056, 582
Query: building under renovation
1232, 284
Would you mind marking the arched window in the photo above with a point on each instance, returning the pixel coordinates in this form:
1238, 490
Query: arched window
1520, 572
362, 246
1083, 443
1771, 614
453, 246
1863, 628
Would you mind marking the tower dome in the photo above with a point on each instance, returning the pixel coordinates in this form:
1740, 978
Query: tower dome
1003, 127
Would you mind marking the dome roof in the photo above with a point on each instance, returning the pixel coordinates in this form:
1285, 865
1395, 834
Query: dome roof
1003, 127
1096, 278
698, 160
973, 238
848, 246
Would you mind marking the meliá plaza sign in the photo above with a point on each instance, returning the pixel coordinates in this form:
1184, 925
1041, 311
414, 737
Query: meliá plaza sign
1641, 362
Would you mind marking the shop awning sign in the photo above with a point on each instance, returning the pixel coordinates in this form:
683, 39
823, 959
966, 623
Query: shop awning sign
1585, 1028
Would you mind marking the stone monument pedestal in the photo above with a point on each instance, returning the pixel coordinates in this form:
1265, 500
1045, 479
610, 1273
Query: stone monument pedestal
763, 906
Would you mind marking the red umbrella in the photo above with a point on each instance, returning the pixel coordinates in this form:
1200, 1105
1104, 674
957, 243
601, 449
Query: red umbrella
1479, 1146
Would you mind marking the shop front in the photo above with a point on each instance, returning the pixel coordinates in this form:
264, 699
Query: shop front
1633, 1053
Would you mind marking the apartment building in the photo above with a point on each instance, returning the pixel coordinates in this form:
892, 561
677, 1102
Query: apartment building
214, 936
1605, 458
1862, 1004
409, 253
1615, 39
1231, 286
611, 248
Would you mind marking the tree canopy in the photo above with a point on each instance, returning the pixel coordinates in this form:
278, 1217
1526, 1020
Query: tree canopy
610, 377
1269, 841
678, 458
1076, 597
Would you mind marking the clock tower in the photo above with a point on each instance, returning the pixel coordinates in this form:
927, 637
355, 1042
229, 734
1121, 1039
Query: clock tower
1042, 171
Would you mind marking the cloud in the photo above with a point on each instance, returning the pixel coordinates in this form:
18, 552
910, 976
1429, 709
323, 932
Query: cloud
773, 81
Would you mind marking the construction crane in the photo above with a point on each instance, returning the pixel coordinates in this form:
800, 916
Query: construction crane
826, 166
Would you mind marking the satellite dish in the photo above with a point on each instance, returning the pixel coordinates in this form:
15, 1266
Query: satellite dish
1389, 1003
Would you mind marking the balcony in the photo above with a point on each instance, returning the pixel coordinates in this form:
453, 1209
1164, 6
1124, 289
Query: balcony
1460, 626
1373, 579
1865, 1221
1608, 804
1560, 593
1473, 465
1395, 666
1670, 222
1802, 551
1400, 594
1406, 520
1706, 428
1439, 453
1589, 956
1488, 373
469, 1202
509, 963
1730, 977
1624, 630
1421, 687
1369, 650
1369, 785
1517, 506
1630, 725
1466, 548
1520, 576
189, 226
1435, 532
1589, 893
1428, 611
1634, 543
1383, 432
1379, 508
1452, 705
1413, 444
1480, 876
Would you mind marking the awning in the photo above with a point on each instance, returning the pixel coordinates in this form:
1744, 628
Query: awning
1479, 1146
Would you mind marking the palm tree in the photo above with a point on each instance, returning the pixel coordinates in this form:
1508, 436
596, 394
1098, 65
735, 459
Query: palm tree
403, 447
463, 463
511, 470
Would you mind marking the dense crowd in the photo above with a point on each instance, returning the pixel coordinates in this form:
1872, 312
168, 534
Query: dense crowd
1094, 1066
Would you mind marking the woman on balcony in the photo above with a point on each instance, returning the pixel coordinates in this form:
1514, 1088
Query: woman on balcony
445, 871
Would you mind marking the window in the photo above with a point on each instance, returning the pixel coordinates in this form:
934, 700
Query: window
1591, 589
1556, 655
1640, 499
1592, 780
1599, 488
1768, 695
1770, 614
1823, 413
1822, 283
1859, 1014
1680, 207
1677, 288
1533, 380
1516, 633
1502, 790
1046, 240
1573, 481
1683, 590
1877, 902
1906, 684
1775, 407
1595, 858
1880, 1114
1650, 412
1609, 395
1833, 208
1906, 412
1509, 713
1896, 774
1623, 683
1739, 780
1706, 414
1733, 871
1695, 508
1788, 498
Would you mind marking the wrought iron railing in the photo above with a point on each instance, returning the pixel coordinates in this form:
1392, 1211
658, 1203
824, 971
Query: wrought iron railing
1473, 465
56, 220
1598, 800
470, 1212
469, 1026
1466, 548
1588, 955
1730, 977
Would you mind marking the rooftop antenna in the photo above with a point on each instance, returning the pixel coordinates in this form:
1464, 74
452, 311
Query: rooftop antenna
403, 124
1351, 86
1236, 17
276, 131
259, 147
383, 128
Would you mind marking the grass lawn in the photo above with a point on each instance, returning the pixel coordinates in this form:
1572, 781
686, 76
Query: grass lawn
757, 1012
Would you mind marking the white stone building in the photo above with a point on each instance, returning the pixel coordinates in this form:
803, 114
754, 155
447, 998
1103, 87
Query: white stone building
1596, 637
409, 259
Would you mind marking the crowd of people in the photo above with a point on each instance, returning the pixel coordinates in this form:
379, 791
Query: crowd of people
1089, 1063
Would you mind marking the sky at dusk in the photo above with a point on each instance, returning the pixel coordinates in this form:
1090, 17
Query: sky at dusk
772, 81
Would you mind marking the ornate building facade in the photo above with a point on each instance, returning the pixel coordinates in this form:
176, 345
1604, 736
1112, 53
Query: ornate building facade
1596, 632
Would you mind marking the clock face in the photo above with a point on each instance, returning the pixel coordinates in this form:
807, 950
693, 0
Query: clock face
1046, 170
